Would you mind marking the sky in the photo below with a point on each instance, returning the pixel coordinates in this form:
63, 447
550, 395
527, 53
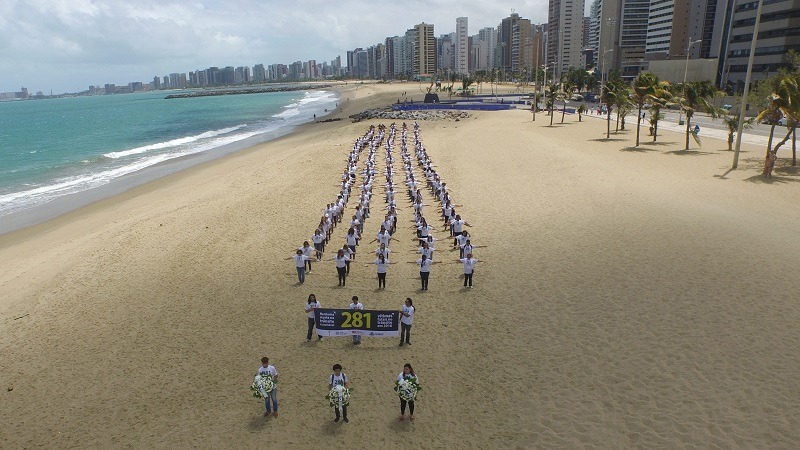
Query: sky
67, 45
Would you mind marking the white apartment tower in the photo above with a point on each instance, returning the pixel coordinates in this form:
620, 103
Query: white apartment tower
565, 34
462, 47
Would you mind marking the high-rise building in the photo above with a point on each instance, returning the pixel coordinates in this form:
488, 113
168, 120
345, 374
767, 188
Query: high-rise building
462, 47
423, 62
513, 36
778, 32
565, 40
594, 30
259, 74
483, 47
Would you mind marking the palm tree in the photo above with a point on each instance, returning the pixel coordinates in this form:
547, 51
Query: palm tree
644, 87
732, 122
783, 102
581, 111
535, 98
661, 98
551, 96
568, 88
622, 100
695, 98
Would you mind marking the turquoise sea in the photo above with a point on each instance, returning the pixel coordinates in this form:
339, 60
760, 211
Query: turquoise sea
54, 148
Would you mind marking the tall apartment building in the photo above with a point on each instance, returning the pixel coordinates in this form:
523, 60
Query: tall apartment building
513, 34
778, 32
446, 53
594, 30
423, 61
462, 47
565, 39
483, 48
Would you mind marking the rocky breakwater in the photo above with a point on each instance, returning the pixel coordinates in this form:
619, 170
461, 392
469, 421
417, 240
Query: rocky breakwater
389, 114
215, 92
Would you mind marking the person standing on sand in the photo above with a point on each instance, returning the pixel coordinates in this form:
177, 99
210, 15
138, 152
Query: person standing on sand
356, 305
469, 268
311, 306
406, 320
424, 264
319, 243
341, 266
267, 368
339, 378
407, 374
300, 262
307, 249
383, 265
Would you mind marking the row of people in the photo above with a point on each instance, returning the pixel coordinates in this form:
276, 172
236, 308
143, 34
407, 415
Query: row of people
337, 378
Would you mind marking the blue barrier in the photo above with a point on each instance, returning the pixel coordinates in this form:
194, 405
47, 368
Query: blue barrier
433, 106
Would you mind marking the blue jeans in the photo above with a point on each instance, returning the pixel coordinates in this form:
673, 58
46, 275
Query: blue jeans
301, 274
273, 394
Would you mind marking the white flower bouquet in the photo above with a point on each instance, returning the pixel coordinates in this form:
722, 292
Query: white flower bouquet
263, 384
338, 397
407, 388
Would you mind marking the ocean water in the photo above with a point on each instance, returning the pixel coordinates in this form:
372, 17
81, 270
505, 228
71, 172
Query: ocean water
53, 148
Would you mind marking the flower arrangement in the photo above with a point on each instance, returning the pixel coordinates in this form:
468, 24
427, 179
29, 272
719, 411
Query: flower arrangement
407, 388
338, 397
263, 384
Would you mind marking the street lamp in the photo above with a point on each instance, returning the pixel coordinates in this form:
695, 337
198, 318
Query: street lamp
602, 70
686, 72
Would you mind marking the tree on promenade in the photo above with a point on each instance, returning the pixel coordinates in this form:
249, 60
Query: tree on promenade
551, 96
732, 122
581, 111
696, 96
644, 87
609, 97
662, 98
783, 102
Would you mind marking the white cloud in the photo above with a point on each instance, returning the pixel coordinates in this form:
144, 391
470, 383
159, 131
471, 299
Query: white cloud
65, 45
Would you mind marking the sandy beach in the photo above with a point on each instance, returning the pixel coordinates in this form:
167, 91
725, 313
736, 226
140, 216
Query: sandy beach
630, 297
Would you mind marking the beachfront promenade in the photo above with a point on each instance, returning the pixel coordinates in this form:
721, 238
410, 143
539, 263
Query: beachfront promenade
632, 298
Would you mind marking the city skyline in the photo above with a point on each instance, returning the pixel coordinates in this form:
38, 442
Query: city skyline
65, 46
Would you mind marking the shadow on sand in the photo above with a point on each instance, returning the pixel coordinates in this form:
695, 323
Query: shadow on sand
689, 153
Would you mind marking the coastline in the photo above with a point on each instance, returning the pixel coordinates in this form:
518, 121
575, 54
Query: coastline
627, 298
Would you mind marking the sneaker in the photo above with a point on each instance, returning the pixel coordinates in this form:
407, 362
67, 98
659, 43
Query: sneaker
346, 420
266, 413
408, 343
275, 414
308, 340
336, 420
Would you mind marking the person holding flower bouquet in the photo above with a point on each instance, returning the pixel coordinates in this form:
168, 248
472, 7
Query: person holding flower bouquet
407, 386
339, 395
269, 370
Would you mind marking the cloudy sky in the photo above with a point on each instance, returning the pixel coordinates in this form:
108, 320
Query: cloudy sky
66, 45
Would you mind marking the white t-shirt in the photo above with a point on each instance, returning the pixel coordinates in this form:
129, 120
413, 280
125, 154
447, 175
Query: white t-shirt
428, 252
270, 369
424, 266
383, 238
317, 238
382, 251
337, 380
469, 264
425, 231
457, 225
306, 250
356, 306
410, 311
382, 266
341, 262
462, 240
300, 260
352, 239
403, 376
310, 308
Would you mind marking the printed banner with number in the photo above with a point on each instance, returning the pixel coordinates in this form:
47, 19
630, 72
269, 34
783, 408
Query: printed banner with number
365, 322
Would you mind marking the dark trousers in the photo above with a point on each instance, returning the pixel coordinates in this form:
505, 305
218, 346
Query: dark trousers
460, 252
403, 407
342, 271
308, 265
311, 328
381, 280
424, 276
405, 333
468, 277
344, 412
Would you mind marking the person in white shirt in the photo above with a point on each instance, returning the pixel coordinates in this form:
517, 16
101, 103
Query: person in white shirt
319, 243
307, 249
424, 264
384, 237
268, 368
339, 378
406, 320
311, 306
300, 262
469, 268
407, 374
341, 266
382, 263
383, 250
356, 305
352, 242
461, 241
426, 250
456, 226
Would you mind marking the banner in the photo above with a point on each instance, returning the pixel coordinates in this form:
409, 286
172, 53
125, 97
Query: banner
364, 322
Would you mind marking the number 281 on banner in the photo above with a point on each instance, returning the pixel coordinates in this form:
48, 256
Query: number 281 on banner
366, 322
